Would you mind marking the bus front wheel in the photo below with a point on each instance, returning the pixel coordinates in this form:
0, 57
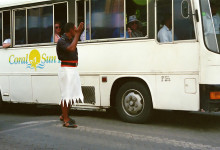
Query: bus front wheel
133, 102
1, 101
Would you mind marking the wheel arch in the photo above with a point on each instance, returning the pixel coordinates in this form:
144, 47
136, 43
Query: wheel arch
119, 82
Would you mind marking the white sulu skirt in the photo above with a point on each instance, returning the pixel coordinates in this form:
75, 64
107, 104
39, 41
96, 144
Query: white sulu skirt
70, 86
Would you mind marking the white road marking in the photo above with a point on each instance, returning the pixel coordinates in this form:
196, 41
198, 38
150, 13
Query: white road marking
176, 143
27, 124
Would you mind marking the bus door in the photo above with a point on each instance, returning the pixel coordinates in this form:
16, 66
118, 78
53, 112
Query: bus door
210, 58
178, 56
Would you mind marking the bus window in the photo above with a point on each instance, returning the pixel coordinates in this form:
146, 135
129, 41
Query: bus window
6, 29
107, 19
40, 24
20, 27
87, 23
80, 12
81, 6
1, 29
136, 11
60, 19
183, 27
210, 29
164, 21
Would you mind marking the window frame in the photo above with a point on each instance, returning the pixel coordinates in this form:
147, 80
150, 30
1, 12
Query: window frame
67, 16
2, 12
173, 25
33, 7
110, 39
14, 10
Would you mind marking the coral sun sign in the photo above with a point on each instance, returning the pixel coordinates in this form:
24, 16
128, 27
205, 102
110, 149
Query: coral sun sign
34, 60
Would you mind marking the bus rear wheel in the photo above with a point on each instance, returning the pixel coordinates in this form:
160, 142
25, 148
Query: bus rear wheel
133, 102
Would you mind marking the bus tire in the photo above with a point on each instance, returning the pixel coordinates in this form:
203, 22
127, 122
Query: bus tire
134, 103
1, 101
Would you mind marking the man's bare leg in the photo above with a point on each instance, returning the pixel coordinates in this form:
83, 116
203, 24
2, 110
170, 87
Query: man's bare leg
65, 111
61, 116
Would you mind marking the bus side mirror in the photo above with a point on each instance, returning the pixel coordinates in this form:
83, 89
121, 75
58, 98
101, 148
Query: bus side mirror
185, 9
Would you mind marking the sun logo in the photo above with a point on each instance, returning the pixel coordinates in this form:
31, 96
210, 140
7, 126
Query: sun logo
34, 58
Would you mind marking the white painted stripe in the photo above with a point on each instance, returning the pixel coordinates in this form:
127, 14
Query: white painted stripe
35, 122
172, 142
27, 124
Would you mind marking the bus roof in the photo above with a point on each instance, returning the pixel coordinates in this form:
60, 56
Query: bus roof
10, 3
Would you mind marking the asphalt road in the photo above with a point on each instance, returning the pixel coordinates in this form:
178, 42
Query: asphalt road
24, 127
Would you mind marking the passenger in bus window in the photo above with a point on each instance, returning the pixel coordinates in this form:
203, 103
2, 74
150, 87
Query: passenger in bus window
165, 33
215, 16
7, 41
134, 26
57, 33
82, 36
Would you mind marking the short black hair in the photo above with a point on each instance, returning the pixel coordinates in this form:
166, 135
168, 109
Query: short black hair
68, 26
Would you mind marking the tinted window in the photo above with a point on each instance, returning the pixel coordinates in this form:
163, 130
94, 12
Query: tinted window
87, 35
107, 19
81, 7
6, 25
40, 25
0, 29
210, 30
183, 27
20, 27
136, 25
60, 19
164, 21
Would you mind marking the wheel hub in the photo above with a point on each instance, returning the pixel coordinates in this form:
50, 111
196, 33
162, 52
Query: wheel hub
133, 102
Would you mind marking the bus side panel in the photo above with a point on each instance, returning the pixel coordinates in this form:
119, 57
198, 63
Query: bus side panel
4, 87
177, 92
20, 89
46, 89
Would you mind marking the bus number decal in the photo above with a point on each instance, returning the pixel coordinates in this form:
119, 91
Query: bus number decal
165, 79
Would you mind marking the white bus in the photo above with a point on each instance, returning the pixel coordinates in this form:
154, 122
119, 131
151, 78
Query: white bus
133, 74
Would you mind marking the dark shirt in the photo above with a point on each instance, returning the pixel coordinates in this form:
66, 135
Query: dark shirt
62, 52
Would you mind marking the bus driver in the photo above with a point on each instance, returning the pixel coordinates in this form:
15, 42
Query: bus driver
165, 33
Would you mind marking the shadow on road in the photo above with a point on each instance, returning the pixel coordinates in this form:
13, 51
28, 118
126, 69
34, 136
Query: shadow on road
192, 120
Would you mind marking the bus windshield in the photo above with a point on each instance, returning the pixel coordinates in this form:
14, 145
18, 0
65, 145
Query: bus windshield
211, 23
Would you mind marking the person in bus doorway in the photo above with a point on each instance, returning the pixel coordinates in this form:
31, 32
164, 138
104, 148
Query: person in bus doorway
165, 33
7, 42
70, 85
133, 27
57, 34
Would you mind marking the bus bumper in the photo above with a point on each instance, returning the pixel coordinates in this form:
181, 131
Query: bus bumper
209, 97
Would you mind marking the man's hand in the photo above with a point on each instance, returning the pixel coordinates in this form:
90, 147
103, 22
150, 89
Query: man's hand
80, 28
77, 32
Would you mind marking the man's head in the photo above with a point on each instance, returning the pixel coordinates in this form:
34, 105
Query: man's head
70, 29
213, 7
133, 22
168, 21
